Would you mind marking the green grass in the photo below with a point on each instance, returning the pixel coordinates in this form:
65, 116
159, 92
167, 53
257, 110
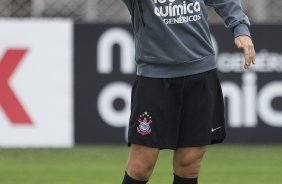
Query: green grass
225, 164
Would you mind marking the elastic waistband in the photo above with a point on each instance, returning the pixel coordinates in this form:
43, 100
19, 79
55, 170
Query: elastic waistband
176, 70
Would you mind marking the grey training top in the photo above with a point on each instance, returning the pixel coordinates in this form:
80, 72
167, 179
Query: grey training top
172, 37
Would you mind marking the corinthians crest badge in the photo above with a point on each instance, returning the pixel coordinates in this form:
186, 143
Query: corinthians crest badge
144, 127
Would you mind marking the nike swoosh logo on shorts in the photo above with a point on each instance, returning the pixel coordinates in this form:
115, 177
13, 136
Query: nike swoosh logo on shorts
215, 129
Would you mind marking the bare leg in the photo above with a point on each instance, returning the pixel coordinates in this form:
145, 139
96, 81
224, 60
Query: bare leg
187, 161
141, 162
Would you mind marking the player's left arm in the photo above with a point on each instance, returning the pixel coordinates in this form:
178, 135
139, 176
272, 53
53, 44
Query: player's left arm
236, 20
246, 44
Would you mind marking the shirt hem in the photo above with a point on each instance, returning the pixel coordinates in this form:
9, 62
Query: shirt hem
176, 70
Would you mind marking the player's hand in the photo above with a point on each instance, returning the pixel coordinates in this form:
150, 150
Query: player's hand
246, 44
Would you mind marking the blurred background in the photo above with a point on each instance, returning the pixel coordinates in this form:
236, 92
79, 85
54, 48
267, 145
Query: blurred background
113, 11
66, 71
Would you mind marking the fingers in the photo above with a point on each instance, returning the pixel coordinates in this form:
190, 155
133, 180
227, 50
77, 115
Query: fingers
246, 44
253, 53
247, 55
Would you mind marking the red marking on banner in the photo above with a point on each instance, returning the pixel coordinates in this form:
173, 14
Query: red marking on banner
8, 100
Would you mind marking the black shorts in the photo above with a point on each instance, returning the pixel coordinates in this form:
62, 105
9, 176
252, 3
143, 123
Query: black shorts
178, 112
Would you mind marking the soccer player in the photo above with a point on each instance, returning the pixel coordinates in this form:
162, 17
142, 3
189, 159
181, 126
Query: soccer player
177, 100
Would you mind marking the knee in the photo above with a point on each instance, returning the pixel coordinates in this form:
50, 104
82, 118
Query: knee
188, 169
139, 170
188, 166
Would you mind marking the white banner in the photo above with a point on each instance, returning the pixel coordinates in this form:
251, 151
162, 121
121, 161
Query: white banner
36, 92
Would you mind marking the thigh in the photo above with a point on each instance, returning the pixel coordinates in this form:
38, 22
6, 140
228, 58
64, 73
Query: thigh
143, 154
187, 161
141, 161
188, 156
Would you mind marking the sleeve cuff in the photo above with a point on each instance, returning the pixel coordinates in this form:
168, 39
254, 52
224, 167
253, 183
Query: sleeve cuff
240, 30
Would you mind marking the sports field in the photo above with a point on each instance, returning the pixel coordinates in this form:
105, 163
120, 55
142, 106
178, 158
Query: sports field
223, 164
